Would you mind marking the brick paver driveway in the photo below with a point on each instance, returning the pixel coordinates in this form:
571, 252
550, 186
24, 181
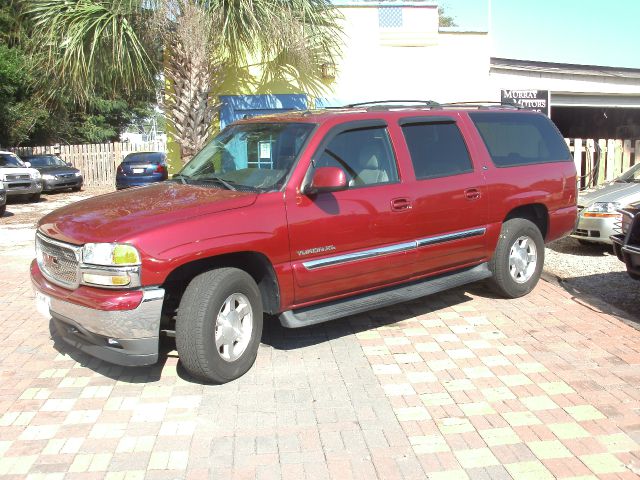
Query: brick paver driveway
453, 386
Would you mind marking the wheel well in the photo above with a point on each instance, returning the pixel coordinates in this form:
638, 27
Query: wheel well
535, 212
255, 264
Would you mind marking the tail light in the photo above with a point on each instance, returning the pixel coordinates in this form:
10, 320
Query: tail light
159, 169
120, 170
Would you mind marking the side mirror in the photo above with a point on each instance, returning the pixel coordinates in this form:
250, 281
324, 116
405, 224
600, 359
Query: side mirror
326, 179
69, 164
27, 164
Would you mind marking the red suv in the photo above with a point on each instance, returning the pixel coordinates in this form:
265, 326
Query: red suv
310, 216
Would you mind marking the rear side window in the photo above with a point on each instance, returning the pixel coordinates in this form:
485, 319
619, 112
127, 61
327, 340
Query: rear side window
520, 139
437, 149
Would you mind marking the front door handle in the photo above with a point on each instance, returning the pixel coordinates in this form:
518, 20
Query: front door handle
399, 204
472, 194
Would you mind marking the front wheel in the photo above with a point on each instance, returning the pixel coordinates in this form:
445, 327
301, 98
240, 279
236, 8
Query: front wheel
219, 325
518, 260
34, 198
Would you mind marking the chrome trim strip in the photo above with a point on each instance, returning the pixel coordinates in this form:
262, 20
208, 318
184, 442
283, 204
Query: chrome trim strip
631, 249
351, 257
476, 232
400, 247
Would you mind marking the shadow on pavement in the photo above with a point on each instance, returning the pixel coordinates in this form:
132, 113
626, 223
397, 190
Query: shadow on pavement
278, 337
571, 246
614, 286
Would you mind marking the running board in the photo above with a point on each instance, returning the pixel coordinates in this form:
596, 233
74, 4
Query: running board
381, 298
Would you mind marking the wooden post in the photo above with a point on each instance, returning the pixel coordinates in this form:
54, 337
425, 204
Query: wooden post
577, 158
602, 161
611, 160
618, 159
626, 155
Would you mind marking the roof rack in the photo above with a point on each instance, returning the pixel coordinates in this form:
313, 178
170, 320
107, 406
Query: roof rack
482, 105
393, 103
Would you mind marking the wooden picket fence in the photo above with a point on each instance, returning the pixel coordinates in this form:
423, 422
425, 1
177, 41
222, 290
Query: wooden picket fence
97, 162
597, 161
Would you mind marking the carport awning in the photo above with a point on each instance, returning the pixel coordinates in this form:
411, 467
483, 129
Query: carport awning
567, 99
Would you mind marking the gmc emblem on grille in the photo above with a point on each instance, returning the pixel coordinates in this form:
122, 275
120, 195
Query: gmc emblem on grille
49, 260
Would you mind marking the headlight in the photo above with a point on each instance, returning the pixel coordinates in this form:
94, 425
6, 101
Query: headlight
36, 175
602, 209
77, 174
110, 254
46, 176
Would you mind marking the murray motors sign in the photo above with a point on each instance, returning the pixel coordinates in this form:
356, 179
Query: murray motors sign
534, 100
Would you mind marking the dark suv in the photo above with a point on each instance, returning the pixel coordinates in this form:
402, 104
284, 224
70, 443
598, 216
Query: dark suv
308, 216
626, 244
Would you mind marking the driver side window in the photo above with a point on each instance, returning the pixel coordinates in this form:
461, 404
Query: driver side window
365, 155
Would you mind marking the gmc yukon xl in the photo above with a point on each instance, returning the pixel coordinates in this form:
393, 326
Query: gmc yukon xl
309, 216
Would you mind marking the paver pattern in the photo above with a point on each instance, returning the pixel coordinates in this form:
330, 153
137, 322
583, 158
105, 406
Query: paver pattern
458, 385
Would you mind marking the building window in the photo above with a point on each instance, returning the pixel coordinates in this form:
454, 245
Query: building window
390, 17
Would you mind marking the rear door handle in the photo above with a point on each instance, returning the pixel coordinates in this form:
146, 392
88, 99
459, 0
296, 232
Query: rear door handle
472, 194
399, 204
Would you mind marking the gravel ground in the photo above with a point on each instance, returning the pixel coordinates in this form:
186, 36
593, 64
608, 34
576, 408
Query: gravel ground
591, 272
594, 273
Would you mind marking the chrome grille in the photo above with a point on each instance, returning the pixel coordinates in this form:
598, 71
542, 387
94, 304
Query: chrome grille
58, 261
18, 177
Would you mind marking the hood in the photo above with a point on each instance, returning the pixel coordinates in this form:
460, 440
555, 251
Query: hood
120, 216
56, 170
611, 192
17, 171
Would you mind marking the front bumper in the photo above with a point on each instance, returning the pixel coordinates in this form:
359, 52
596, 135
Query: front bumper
122, 329
595, 229
23, 187
62, 184
629, 254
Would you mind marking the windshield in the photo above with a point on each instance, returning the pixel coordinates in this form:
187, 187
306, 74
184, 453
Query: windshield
46, 161
630, 176
9, 160
252, 156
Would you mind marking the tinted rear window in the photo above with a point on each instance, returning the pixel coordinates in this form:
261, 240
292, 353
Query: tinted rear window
144, 158
437, 149
520, 139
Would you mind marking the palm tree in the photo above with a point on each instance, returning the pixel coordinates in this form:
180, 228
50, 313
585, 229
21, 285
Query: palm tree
123, 45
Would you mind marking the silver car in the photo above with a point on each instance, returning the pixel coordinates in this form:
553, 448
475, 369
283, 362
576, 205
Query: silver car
597, 209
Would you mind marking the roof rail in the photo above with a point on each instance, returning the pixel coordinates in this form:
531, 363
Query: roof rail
482, 105
428, 103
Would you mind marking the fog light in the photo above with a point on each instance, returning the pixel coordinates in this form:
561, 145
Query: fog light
107, 280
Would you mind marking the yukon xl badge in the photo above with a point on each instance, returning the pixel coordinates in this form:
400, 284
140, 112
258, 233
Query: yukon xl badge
328, 248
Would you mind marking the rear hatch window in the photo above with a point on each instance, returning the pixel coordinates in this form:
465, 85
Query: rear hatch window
518, 138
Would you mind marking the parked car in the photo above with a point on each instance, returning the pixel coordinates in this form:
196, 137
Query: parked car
141, 168
3, 199
626, 244
56, 174
18, 178
598, 209
310, 216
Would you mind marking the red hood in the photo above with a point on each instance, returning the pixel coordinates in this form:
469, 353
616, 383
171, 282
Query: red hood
119, 216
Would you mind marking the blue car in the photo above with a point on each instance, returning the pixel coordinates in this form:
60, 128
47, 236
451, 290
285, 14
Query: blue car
141, 168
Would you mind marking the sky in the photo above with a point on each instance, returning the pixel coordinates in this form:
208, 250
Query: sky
587, 32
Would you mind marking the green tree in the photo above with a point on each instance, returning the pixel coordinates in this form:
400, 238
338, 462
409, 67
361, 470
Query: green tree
126, 45
445, 20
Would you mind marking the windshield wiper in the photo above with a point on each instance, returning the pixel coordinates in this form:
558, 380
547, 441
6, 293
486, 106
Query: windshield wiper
182, 178
219, 180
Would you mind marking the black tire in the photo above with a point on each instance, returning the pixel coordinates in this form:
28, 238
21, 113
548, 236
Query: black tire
198, 312
503, 281
635, 276
35, 197
76, 189
3, 208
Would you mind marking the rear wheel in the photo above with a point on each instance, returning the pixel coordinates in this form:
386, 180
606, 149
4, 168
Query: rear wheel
219, 325
518, 260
